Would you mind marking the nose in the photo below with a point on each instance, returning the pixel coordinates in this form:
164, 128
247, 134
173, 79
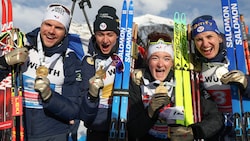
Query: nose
160, 63
105, 39
205, 42
51, 29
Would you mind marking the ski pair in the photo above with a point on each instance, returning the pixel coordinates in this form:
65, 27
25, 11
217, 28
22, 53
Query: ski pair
11, 87
183, 96
195, 69
121, 85
236, 56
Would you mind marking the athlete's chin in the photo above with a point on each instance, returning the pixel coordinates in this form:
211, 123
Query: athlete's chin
209, 55
105, 51
49, 44
160, 77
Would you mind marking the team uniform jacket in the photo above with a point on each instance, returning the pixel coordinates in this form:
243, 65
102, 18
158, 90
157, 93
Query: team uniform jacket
51, 117
141, 126
219, 92
96, 112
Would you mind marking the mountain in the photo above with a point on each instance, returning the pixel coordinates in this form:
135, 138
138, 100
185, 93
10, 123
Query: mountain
149, 23
146, 24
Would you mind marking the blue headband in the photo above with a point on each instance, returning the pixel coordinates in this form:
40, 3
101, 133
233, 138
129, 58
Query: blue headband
202, 25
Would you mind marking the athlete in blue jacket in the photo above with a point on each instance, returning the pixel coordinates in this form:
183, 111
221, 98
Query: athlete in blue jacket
52, 78
210, 50
99, 74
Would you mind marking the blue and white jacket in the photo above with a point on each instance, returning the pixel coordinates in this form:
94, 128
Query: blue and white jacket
51, 117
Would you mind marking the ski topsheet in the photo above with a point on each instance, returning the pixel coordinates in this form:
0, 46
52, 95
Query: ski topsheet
183, 96
246, 101
4, 18
188, 109
11, 87
121, 85
236, 56
177, 65
245, 41
6, 119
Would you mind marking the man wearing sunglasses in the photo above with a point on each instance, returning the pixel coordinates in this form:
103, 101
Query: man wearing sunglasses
52, 79
211, 50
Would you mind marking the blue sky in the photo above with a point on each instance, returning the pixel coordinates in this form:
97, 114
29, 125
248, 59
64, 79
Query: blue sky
28, 13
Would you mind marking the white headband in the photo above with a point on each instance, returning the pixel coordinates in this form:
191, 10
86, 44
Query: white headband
160, 46
59, 13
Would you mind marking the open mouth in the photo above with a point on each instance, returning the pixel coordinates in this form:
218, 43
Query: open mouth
207, 51
160, 72
50, 37
105, 46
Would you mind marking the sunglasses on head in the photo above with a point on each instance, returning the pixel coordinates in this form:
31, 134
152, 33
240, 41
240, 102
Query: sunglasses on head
204, 17
155, 37
159, 41
62, 6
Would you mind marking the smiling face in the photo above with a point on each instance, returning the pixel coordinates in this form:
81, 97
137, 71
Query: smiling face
160, 63
52, 33
106, 40
208, 44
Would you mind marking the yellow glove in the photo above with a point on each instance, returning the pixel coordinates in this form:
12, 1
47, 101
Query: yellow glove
158, 101
16, 56
42, 86
181, 133
234, 76
95, 84
136, 76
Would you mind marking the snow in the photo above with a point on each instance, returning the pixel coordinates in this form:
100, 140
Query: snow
82, 30
149, 19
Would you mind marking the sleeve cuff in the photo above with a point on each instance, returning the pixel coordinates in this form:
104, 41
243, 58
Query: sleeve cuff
3, 64
91, 98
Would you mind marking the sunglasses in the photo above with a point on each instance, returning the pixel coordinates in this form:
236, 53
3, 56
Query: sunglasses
159, 37
161, 41
204, 17
60, 5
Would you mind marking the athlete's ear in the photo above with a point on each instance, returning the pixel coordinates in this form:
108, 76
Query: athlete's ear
220, 39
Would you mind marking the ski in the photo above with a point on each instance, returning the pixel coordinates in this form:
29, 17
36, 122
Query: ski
188, 109
183, 96
246, 101
194, 77
6, 122
245, 41
4, 18
177, 68
11, 86
121, 85
10, 16
236, 56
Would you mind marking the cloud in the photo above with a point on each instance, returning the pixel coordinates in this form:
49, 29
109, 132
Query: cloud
151, 6
27, 18
28, 13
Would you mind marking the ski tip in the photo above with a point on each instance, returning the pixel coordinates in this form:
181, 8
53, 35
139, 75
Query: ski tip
131, 6
183, 18
176, 16
124, 5
131, 2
